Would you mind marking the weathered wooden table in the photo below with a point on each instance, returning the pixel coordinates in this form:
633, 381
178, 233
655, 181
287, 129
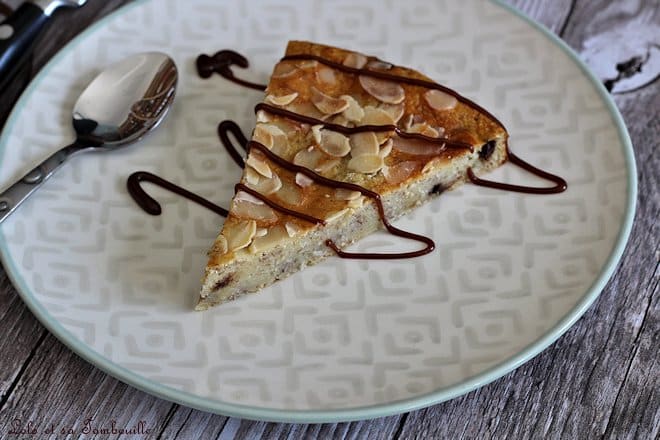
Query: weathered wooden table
601, 379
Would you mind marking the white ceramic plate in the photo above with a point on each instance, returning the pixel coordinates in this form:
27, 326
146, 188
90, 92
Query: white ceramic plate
344, 339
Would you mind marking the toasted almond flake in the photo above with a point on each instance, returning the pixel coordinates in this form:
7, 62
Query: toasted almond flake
263, 116
292, 229
386, 148
334, 144
416, 147
366, 164
260, 232
364, 143
251, 176
280, 142
400, 171
248, 210
290, 194
308, 158
346, 194
306, 109
354, 112
239, 234
383, 90
355, 60
379, 65
439, 100
263, 136
394, 110
308, 64
275, 235
356, 203
327, 104
259, 166
316, 133
284, 69
243, 196
339, 119
281, 100
326, 75
302, 180
376, 116
424, 129
220, 245
335, 215
327, 165
266, 186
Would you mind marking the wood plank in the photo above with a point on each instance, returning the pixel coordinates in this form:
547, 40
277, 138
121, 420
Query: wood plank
61, 390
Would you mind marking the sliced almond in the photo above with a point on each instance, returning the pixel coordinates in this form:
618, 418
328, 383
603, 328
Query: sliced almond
439, 100
259, 166
354, 112
280, 142
383, 90
335, 215
416, 147
424, 129
243, 196
290, 194
326, 75
399, 172
263, 136
220, 245
284, 69
266, 186
302, 180
260, 232
408, 122
327, 104
364, 144
251, 176
367, 164
355, 60
247, 210
346, 194
309, 157
292, 229
274, 236
379, 65
394, 110
281, 100
334, 144
263, 116
306, 109
386, 148
316, 133
308, 64
376, 116
239, 234
327, 165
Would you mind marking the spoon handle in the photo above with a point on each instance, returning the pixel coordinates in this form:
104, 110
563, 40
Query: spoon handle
13, 196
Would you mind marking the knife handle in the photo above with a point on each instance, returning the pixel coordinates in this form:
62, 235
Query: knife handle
17, 36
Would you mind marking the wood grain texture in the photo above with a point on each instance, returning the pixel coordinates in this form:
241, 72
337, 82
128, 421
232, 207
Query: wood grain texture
600, 380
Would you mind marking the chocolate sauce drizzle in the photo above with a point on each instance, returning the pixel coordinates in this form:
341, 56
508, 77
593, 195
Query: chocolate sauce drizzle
221, 63
430, 245
443, 142
151, 206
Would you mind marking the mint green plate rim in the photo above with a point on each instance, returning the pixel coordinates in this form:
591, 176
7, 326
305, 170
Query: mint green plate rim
339, 415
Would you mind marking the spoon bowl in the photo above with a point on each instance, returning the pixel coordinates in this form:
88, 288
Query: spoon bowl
121, 105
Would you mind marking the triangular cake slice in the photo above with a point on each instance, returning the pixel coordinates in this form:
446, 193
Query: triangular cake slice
316, 98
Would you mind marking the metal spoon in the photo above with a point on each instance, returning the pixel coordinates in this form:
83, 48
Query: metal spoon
118, 107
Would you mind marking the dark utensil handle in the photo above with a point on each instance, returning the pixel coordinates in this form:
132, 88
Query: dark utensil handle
17, 36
